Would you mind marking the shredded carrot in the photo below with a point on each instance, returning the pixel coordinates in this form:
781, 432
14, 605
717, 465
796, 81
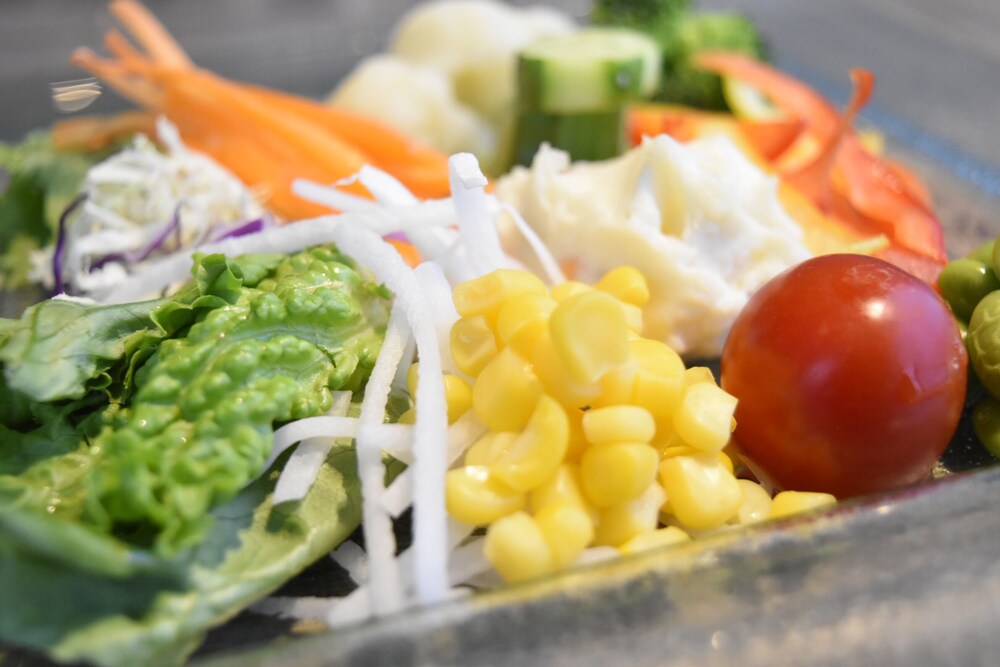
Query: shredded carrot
266, 137
92, 133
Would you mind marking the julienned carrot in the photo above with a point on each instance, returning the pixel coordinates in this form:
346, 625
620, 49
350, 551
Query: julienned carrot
383, 144
92, 133
266, 137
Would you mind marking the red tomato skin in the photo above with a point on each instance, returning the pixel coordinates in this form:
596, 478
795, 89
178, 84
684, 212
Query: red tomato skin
850, 376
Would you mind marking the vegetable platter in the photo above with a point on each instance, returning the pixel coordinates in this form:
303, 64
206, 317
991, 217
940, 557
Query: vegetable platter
594, 504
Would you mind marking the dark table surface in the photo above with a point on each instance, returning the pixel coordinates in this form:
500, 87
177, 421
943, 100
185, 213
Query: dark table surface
908, 579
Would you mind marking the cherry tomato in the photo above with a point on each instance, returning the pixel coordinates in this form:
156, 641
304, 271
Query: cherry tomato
850, 375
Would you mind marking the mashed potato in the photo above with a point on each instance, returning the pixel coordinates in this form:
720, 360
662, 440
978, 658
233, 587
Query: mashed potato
701, 221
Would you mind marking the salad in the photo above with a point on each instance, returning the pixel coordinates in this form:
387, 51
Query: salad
286, 328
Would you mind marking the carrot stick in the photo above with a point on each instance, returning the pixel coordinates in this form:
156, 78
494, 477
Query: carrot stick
92, 133
150, 33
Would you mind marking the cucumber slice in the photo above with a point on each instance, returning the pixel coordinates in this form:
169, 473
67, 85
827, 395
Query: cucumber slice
587, 71
585, 136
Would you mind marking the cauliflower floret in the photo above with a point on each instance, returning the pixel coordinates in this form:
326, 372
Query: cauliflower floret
702, 223
455, 62
416, 100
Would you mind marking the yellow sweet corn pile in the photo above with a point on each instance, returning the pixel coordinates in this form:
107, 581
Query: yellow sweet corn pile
598, 436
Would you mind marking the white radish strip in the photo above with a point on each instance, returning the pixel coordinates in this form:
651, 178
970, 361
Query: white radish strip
399, 382
380, 541
310, 427
545, 257
396, 440
438, 293
468, 561
306, 461
304, 608
398, 495
352, 608
386, 189
352, 558
475, 217
465, 431
327, 196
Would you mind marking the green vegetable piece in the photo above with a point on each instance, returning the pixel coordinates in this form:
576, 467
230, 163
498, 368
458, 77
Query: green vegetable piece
652, 16
572, 88
155, 612
995, 256
964, 282
694, 33
986, 424
983, 253
265, 339
983, 341
42, 182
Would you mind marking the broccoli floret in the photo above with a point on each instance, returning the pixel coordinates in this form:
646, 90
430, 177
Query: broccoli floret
646, 15
682, 82
682, 33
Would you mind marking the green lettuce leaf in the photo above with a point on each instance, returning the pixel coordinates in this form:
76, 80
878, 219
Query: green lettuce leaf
160, 613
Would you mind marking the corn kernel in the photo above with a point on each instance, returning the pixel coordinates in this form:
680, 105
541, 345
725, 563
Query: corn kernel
788, 503
577, 441
522, 320
555, 377
569, 288
474, 497
659, 383
408, 417
633, 318
620, 523
458, 396
473, 344
563, 486
412, 377
661, 537
617, 473
703, 494
756, 503
589, 334
486, 294
567, 528
704, 417
698, 374
517, 548
489, 448
618, 423
506, 391
627, 284
538, 450
617, 386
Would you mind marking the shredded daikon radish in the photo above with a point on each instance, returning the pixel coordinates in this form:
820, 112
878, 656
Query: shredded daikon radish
310, 427
476, 217
398, 495
352, 558
385, 187
352, 608
303, 608
546, 260
438, 293
380, 541
306, 461
335, 199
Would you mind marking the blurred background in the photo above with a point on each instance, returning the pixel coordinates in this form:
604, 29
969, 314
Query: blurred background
936, 62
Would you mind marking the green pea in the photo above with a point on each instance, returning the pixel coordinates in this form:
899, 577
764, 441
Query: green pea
983, 341
984, 253
995, 256
964, 282
986, 423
